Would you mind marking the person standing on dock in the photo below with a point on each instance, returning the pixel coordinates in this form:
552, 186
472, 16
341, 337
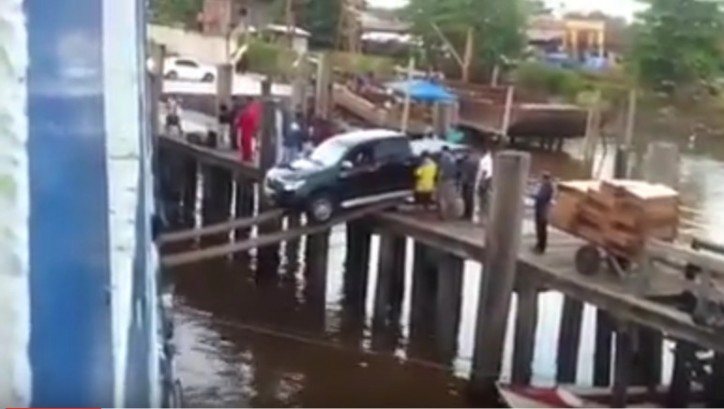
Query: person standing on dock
293, 139
468, 176
483, 182
542, 200
425, 175
173, 118
247, 125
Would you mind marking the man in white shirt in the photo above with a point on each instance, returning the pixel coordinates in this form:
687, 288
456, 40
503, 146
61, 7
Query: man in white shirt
483, 182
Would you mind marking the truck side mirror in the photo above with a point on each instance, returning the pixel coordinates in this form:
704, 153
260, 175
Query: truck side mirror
347, 165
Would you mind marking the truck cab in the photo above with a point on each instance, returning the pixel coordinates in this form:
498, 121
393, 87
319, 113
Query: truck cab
348, 170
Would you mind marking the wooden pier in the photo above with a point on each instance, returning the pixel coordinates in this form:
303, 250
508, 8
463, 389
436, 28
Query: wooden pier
634, 309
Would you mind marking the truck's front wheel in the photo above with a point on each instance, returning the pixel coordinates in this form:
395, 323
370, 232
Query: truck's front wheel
321, 208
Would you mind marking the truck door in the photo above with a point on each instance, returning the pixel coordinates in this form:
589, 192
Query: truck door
396, 173
359, 176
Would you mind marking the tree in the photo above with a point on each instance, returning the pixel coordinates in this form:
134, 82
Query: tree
170, 12
496, 27
678, 43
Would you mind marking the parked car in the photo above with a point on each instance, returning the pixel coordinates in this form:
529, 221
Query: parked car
350, 170
182, 68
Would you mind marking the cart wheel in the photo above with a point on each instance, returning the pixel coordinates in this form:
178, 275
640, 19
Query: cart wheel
588, 260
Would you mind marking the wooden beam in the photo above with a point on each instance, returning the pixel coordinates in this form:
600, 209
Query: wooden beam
221, 227
266, 240
526, 323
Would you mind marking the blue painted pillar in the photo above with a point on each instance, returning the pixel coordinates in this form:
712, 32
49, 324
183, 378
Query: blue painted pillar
91, 280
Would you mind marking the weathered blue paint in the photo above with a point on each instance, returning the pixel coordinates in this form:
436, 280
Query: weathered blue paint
71, 349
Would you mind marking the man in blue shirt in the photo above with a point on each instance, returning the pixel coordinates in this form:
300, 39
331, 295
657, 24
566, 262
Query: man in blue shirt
542, 200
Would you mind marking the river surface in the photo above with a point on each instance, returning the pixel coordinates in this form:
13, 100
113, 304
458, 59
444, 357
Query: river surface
246, 343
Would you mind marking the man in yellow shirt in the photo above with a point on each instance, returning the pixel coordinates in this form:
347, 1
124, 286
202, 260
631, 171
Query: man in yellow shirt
425, 176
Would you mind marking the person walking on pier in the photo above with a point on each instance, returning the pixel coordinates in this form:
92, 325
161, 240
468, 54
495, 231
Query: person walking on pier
542, 200
247, 124
483, 180
425, 175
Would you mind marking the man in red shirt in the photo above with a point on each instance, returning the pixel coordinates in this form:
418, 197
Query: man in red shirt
247, 125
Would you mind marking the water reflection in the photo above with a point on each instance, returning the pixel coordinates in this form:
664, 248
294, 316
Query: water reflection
292, 340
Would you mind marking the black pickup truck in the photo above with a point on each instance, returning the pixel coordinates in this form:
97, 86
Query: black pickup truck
349, 170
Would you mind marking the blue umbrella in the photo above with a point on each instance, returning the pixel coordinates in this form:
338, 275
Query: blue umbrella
422, 90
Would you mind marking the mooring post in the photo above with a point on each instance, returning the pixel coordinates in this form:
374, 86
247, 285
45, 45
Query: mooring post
267, 257
390, 277
526, 323
569, 340
602, 349
448, 303
502, 243
357, 262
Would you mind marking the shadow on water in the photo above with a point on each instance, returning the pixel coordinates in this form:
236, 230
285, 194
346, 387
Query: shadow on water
244, 342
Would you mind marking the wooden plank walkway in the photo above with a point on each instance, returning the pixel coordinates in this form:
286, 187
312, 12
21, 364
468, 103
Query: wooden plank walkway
555, 270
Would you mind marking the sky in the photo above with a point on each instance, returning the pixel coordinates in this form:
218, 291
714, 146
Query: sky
623, 8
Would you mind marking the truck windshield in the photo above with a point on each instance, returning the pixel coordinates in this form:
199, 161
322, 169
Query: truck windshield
329, 153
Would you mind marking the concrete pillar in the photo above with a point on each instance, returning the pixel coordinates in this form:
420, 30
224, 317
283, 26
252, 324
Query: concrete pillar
267, 257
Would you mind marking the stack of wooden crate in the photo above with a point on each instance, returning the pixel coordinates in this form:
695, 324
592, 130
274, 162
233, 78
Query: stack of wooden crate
617, 215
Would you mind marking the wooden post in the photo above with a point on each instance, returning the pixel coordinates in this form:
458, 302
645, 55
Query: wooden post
602, 349
294, 221
390, 277
406, 107
158, 57
502, 243
526, 322
324, 83
623, 152
713, 390
317, 257
449, 300
224, 91
357, 264
268, 257
189, 191
569, 340
468, 56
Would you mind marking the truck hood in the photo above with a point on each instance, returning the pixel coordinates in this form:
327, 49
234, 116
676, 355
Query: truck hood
298, 169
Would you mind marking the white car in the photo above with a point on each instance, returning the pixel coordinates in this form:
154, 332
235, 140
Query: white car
181, 68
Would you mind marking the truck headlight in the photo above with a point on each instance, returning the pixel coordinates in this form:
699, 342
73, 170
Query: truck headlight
293, 184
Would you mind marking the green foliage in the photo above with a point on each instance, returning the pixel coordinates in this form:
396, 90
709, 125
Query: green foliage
271, 59
172, 12
548, 80
677, 43
498, 25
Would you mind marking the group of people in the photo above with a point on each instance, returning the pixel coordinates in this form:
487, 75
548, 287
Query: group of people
454, 186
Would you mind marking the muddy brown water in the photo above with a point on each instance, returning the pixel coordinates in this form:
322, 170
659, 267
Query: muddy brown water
249, 343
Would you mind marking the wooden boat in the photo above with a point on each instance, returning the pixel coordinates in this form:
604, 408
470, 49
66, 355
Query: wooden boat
571, 396
482, 108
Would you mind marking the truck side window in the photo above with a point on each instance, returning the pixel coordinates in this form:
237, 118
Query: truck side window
361, 156
392, 150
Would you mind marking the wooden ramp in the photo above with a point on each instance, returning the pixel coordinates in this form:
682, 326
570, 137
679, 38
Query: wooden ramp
246, 222
195, 256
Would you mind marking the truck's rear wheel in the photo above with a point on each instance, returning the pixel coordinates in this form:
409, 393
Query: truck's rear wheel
321, 208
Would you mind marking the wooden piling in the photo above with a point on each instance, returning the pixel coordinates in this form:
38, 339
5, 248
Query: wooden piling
448, 304
315, 272
602, 349
323, 94
622, 365
216, 200
423, 285
502, 244
224, 91
357, 262
189, 191
244, 208
714, 392
294, 221
526, 323
267, 257
390, 278
569, 340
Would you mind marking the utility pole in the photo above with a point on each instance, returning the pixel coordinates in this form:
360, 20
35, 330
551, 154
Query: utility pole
348, 29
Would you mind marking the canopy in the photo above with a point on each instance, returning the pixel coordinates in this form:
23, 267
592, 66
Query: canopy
423, 90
